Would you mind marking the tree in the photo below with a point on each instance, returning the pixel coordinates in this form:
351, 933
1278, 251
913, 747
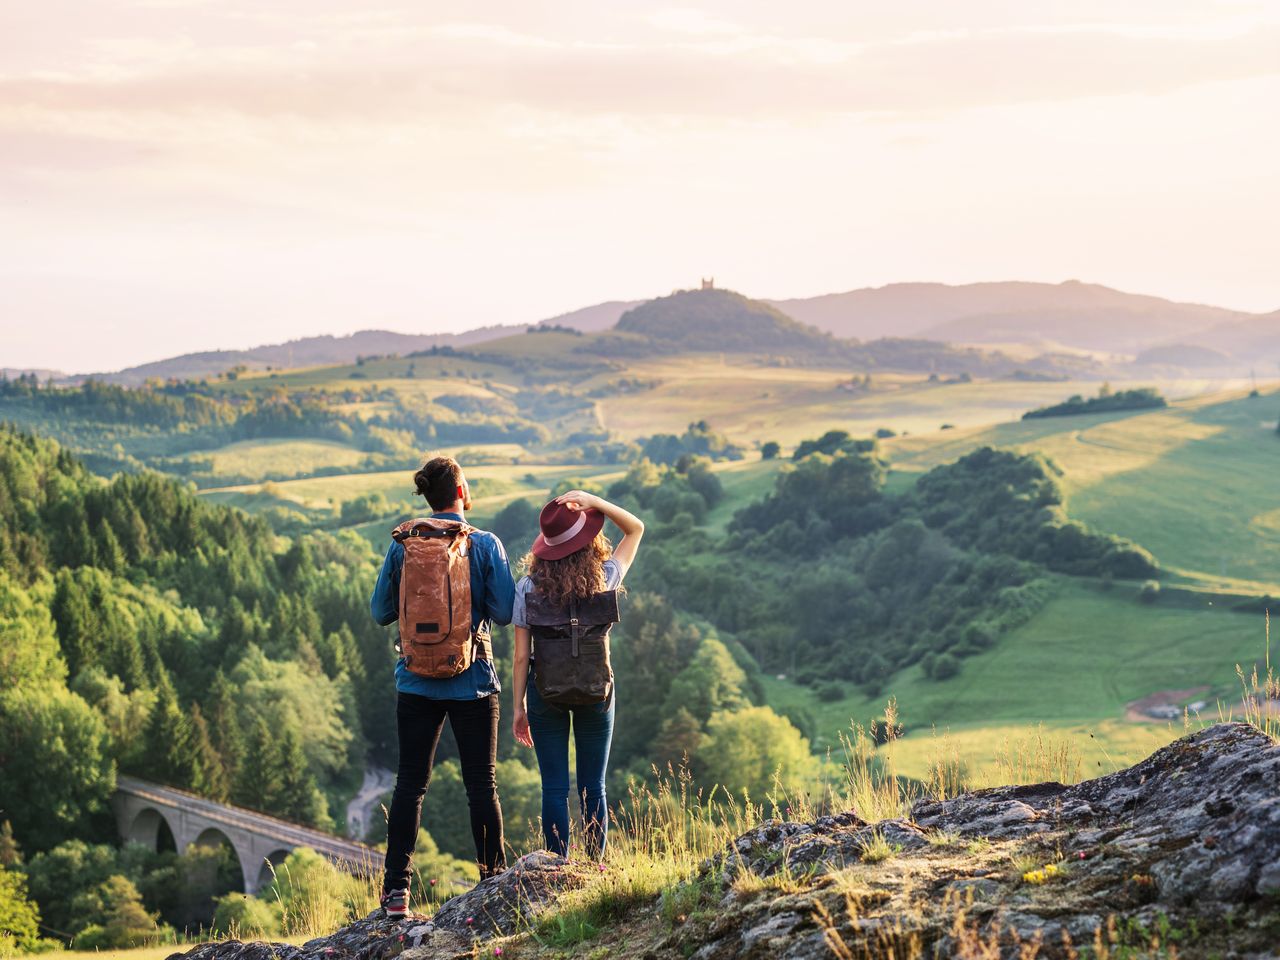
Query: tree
258, 784
516, 525
680, 738
19, 917
208, 773
116, 917
224, 727
57, 876
770, 450
57, 766
10, 852
125, 714
284, 693
747, 750
169, 755
299, 798
711, 682
28, 640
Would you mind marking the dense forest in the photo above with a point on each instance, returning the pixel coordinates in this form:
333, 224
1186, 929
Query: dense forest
151, 633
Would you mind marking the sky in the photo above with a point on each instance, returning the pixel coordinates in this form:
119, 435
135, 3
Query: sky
180, 175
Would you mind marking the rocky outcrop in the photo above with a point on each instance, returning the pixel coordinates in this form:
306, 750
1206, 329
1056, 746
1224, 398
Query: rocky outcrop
497, 907
1182, 849
1178, 855
1203, 814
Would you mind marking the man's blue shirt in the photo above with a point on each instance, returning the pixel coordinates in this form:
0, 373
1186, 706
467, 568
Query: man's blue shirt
492, 594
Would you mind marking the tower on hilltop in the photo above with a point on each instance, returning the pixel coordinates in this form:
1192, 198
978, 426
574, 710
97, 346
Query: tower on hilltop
708, 283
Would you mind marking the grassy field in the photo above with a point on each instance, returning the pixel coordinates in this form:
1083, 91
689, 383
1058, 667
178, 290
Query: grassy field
752, 403
260, 458
1194, 483
1073, 667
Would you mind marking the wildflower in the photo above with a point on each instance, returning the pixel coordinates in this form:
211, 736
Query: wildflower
497, 951
1080, 855
432, 881
470, 921
1043, 875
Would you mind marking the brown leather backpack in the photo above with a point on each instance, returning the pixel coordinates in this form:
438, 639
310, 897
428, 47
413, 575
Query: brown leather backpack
571, 665
436, 639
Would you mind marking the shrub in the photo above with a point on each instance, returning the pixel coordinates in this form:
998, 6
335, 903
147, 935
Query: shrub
246, 917
830, 691
1150, 591
946, 665
770, 450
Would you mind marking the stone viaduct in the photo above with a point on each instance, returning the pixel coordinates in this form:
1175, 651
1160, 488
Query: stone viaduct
259, 841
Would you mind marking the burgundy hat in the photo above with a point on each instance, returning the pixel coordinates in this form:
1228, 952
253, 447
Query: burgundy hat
565, 531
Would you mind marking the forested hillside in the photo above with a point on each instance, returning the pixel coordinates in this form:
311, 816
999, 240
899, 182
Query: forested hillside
834, 581
168, 426
171, 639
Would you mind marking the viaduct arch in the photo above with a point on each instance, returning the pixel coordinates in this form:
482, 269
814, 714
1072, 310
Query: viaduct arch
259, 841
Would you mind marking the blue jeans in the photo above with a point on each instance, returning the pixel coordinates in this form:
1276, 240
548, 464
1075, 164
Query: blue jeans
592, 726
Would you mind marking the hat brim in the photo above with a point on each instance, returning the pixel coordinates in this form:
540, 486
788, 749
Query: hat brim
558, 551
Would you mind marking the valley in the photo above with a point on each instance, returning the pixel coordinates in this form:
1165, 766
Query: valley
1014, 593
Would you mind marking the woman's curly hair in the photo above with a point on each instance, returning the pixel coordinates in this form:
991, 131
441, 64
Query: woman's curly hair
574, 577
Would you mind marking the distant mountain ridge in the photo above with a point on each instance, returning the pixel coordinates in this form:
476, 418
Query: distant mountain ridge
307, 352
1071, 315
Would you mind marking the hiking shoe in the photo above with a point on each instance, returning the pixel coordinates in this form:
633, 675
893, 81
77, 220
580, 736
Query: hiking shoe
395, 904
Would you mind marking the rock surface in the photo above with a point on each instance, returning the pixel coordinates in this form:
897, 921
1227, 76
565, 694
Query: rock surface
1176, 856
496, 907
1182, 849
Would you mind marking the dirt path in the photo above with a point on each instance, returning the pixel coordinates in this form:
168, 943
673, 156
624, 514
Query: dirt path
377, 781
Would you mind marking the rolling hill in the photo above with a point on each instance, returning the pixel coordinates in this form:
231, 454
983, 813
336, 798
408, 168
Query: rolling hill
1073, 314
592, 319
1255, 339
307, 352
721, 320
1068, 316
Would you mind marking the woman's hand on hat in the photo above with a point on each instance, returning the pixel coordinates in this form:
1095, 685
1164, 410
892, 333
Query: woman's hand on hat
579, 500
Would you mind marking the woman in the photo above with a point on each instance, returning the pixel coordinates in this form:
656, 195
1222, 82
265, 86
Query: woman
571, 570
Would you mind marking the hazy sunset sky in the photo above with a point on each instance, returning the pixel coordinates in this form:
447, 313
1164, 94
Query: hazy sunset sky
193, 174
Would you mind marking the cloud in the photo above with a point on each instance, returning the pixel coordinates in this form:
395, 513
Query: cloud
454, 71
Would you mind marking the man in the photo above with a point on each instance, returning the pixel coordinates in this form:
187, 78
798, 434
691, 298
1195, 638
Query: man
469, 700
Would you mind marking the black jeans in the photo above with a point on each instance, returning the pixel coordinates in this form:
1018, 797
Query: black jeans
419, 721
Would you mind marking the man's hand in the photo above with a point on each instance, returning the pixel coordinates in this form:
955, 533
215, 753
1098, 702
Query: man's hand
520, 728
580, 500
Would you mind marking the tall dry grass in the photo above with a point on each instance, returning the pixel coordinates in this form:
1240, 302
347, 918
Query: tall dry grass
1260, 694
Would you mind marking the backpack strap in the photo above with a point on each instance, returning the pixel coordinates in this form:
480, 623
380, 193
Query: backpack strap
482, 646
575, 627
